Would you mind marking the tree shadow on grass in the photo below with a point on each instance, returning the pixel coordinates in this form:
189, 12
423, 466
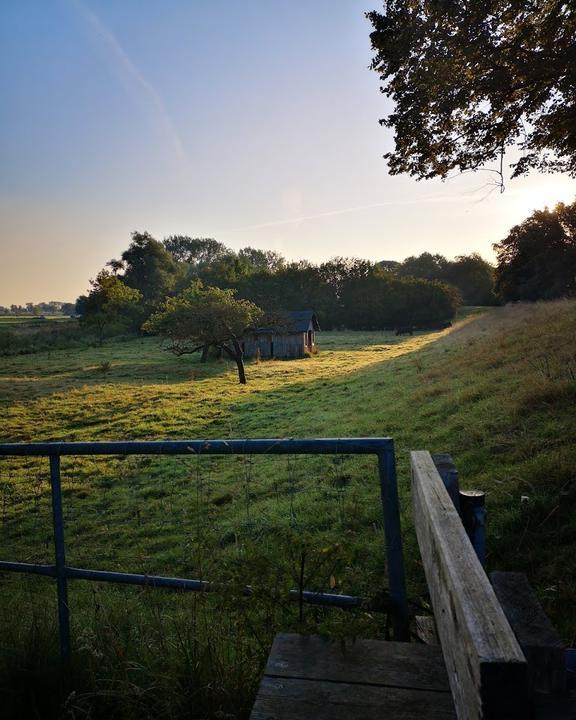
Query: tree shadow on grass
127, 400
42, 380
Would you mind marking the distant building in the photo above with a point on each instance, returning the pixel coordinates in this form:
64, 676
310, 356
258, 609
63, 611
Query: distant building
292, 336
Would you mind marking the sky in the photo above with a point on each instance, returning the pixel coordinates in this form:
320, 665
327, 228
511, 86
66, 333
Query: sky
255, 123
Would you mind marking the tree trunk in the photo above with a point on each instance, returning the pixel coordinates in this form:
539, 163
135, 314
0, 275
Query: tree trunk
235, 352
238, 356
241, 373
205, 351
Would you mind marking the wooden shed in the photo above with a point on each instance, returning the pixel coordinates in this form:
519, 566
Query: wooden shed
293, 335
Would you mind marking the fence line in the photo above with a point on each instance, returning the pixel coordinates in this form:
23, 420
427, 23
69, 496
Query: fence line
383, 448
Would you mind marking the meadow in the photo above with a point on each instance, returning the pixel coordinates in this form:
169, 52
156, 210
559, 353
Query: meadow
26, 334
28, 319
497, 391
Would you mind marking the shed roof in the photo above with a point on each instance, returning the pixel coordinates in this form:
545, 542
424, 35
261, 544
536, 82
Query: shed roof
301, 319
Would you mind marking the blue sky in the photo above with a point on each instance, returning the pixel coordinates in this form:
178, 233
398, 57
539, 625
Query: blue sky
252, 122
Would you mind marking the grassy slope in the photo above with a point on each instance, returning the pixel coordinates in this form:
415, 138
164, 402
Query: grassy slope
497, 392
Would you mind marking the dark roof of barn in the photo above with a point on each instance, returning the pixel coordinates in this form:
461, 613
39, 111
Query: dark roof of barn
292, 321
301, 319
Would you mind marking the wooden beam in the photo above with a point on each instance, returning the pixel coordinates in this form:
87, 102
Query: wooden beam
540, 643
487, 670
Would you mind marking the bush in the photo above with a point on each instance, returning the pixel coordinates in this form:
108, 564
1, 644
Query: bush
383, 303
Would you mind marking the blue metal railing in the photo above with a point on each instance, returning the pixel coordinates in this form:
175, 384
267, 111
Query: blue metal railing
383, 448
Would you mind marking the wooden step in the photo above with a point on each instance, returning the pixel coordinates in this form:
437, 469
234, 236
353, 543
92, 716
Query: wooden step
311, 678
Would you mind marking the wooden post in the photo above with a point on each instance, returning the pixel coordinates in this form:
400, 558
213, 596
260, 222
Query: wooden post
473, 514
469, 503
449, 474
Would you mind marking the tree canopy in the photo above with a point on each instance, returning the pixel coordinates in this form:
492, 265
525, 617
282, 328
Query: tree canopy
471, 79
471, 275
261, 259
195, 251
109, 302
385, 301
474, 279
426, 266
147, 267
336, 289
202, 317
537, 260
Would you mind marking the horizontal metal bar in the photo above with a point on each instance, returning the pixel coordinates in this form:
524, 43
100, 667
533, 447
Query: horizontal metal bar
313, 598
108, 576
137, 579
31, 568
268, 446
319, 598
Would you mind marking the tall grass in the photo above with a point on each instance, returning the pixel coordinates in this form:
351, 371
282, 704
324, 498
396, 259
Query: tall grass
25, 336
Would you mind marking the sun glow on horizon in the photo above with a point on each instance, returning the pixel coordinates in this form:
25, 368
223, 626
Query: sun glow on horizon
544, 191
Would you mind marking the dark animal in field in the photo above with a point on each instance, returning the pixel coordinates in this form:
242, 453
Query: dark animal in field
404, 331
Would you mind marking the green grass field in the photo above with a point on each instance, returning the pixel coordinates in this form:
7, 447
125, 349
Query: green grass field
497, 391
27, 321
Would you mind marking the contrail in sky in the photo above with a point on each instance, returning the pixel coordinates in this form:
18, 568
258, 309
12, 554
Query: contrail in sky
130, 71
343, 211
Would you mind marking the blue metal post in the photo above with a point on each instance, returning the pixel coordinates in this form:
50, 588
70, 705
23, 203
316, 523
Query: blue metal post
449, 474
60, 559
571, 668
473, 514
393, 543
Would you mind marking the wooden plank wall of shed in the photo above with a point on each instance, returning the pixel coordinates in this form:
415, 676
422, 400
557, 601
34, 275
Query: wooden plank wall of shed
285, 346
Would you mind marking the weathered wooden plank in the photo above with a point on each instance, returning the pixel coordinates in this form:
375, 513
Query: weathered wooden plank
425, 629
374, 662
294, 699
540, 643
486, 668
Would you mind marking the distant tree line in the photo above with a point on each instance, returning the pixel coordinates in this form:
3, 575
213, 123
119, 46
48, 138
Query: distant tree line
54, 307
537, 260
344, 292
